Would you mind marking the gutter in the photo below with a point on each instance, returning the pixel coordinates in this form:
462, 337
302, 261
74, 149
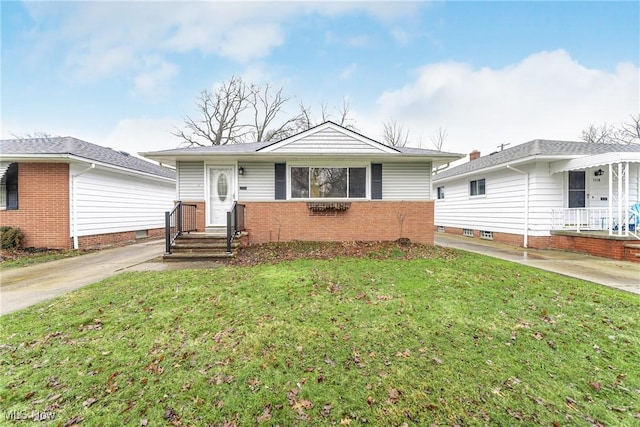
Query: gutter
526, 203
74, 204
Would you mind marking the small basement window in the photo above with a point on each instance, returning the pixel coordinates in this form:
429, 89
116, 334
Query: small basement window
467, 232
488, 235
441, 229
141, 234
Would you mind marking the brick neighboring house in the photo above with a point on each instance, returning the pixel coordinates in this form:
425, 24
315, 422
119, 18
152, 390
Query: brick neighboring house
325, 184
65, 193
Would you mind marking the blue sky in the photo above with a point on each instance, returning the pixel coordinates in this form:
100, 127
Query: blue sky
123, 74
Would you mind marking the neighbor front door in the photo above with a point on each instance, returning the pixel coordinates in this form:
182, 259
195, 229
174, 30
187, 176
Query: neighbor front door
577, 189
221, 194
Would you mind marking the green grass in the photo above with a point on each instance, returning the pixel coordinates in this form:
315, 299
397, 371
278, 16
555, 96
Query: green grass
22, 258
463, 340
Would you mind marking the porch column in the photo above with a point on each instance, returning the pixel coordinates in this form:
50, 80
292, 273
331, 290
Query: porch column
610, 216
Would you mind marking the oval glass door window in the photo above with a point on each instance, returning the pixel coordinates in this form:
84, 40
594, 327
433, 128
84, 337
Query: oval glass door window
223, 187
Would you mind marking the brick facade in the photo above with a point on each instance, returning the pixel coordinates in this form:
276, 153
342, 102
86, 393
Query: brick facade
362, 221
43, 212
97, 241
600, 246
43, 205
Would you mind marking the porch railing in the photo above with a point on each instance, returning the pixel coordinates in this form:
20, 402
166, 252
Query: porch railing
595, 219
235, 223
181, 219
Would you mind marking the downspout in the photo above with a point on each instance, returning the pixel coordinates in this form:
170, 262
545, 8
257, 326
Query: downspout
74, 204
526, 204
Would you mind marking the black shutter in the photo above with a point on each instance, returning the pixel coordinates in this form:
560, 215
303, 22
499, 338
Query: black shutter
11, 183
376, 181
281, 181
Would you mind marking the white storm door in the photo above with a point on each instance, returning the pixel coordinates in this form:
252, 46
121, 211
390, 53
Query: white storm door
221, 194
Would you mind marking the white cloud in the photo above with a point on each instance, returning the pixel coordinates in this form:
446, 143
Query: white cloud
135, 135
348, 72
547, 95
156, 74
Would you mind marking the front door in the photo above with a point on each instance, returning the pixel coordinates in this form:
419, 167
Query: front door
577, 189
221, 194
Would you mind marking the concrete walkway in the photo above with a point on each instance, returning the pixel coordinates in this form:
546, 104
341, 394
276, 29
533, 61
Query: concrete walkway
23, 287
622, 275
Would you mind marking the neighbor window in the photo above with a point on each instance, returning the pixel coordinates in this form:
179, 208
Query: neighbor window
319, 183
9, 188
476, 187
440, 192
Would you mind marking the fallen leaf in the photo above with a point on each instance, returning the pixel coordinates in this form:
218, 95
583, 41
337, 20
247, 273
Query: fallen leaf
394, 396
595, 385
90, 401
266, 414
29, 395
326, 410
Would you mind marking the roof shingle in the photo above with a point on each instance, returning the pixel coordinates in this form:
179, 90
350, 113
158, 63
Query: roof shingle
72, 146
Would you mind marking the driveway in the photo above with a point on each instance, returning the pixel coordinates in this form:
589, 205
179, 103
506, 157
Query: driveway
622, 275
23, 287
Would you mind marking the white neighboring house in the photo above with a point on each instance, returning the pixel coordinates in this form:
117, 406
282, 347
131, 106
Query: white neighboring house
63, 192
533, 193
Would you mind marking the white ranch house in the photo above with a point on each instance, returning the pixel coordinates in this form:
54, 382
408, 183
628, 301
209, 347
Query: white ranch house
546, 194
328, 183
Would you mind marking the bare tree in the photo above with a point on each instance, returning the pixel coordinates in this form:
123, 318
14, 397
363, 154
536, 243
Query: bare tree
625, 134
394, 134
33, 135
438, 139
220, 111
239, 112
266, 108
629, 132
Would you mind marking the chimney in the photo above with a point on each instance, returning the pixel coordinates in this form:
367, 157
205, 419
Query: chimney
474, 155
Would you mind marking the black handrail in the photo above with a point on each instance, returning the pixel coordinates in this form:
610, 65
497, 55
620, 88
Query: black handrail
235, 223
181, 219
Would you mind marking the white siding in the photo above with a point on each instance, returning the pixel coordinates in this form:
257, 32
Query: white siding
190, 181
257, 183
501, 209
328, 141
406, 181
110, 202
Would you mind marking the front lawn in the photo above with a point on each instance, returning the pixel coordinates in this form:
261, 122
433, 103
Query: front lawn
456, 338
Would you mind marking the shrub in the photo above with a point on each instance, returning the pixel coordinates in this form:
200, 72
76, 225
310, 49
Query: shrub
10, 237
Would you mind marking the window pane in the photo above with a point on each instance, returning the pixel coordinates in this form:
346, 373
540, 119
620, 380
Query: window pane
357, 182
299, 183
576, 180
440, 192
473, 188
481, 189
328, 182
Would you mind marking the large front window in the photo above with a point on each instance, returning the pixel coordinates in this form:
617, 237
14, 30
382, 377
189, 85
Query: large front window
334, 183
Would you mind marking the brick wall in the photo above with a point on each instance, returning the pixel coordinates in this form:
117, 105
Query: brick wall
43, 205
601, 247
363, 221
592, 246
97, 241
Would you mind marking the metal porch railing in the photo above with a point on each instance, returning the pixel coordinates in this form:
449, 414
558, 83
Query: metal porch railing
182, 219
235, 223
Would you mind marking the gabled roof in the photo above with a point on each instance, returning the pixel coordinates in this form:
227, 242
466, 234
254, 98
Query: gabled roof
535, 149
325, 139
69, 148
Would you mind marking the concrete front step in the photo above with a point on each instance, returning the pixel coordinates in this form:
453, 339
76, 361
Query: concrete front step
212, 256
